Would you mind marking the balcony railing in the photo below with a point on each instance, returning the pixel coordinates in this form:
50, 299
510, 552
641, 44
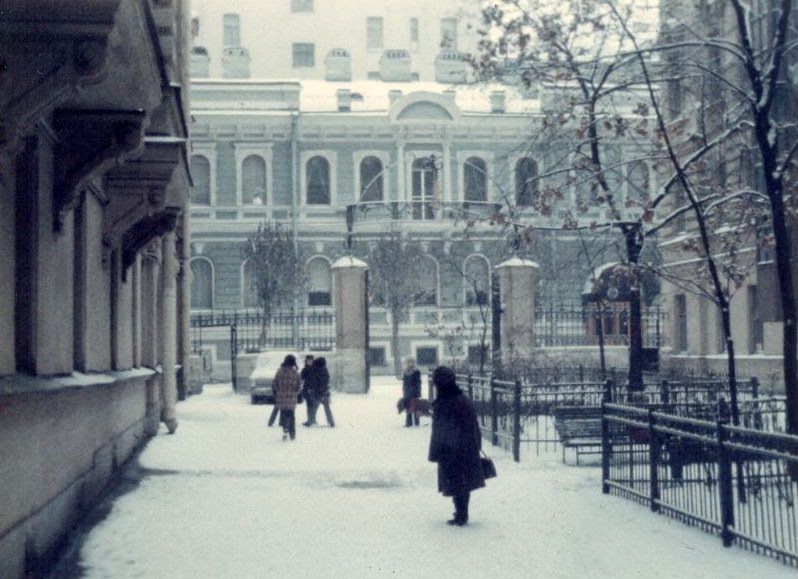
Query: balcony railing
382, 211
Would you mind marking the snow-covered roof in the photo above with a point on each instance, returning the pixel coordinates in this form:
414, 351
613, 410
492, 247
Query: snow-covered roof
375, 95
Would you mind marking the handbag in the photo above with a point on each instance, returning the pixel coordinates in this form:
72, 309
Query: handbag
488, 468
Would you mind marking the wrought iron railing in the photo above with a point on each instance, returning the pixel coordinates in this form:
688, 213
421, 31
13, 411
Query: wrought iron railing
738, 482
253, 331
420, 210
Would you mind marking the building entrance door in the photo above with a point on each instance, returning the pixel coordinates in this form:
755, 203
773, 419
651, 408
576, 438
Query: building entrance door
425, 188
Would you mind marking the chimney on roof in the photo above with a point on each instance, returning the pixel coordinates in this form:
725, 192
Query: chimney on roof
235, 62
394, 95
338, 65
344, 97
450, 67
395, 66
498, 101
200, 64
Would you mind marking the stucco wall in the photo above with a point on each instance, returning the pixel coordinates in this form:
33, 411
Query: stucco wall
60, 448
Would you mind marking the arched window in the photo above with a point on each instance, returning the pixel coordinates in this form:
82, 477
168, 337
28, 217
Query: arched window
637, 179
526, 182
320, 282
201, 175
201, 284
253, 181
477, 281
249, 288
371, 179
476, 179
318, 181
428, 283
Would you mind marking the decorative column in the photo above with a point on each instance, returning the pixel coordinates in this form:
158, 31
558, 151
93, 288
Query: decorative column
150, 329
517, 283
169, 332
349, 297
184, 305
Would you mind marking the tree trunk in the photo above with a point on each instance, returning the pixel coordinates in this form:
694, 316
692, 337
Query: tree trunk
633, 249
731, 364
397, 355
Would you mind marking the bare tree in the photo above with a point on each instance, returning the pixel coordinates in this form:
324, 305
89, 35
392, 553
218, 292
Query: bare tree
276, 267
735, 82
396, 283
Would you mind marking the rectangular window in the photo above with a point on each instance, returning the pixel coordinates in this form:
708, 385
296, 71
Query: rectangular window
756, 328
426, 356
319, 298
374, 33
232, 30
304, 55
414, 34
301, 5
680, 329
449, 33
377, 356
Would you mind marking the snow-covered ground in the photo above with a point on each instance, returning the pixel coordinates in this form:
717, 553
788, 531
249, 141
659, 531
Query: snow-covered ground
228, 498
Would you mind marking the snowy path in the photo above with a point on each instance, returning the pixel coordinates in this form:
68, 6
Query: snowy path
228, 498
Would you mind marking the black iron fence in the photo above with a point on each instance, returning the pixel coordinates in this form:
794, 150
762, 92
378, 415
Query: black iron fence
735, 481
584, 324
252, 331
520, 414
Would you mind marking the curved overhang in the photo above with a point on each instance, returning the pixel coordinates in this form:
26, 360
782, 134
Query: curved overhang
424, 107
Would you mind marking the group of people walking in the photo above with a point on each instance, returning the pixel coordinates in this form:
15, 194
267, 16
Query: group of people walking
291, 386
456, 440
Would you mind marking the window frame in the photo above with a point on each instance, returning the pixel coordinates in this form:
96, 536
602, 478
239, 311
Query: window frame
385, 158
332, 160
207, 150
294, 61
490, 187
212, 271
443, 43
264, 151
325, 259
467, 284
300, 6
375, 20
225, 25
516, 162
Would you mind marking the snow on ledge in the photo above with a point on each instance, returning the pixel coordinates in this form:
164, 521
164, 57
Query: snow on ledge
349, 261
518, 262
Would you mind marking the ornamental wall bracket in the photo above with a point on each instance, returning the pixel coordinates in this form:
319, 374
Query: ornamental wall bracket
138, 189
144, 231
90, 142
50, 50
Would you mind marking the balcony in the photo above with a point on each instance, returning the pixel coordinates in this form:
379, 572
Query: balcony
372, 216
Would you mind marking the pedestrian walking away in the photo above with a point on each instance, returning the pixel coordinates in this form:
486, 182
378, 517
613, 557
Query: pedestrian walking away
303, 375
411, 392
455, 444
286, 386
318, 386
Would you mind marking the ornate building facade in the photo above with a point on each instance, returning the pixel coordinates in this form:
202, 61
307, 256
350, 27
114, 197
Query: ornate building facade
94, 187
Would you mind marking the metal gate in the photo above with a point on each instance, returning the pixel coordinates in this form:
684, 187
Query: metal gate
201, 322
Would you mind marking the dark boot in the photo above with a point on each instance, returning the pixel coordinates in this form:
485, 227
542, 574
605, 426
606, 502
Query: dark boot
461, 510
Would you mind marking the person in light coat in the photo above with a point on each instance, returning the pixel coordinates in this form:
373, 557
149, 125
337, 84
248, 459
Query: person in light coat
286, 386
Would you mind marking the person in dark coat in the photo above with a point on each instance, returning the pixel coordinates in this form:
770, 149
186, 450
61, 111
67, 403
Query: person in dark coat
286, 388
411, 391
455, 444
318, 386
303, 375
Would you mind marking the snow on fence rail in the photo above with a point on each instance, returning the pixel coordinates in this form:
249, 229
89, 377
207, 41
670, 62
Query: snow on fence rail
739, 483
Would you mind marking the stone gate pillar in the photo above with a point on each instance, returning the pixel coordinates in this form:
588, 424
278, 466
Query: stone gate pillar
517, 282
349, 298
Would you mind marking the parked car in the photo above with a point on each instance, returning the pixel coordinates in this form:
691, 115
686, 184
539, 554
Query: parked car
266, 366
